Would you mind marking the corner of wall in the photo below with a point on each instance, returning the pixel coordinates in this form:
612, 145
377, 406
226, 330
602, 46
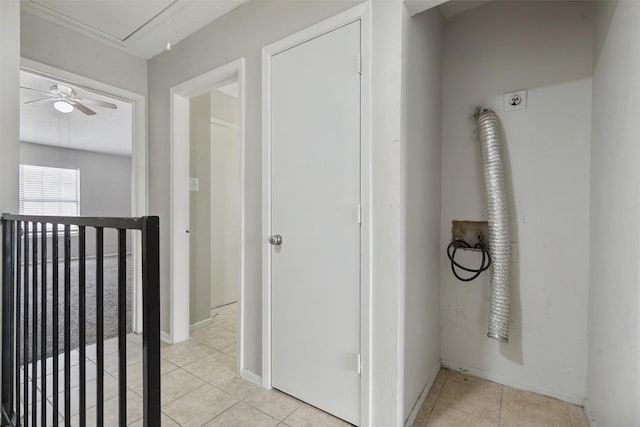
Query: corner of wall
421, 144
9, 104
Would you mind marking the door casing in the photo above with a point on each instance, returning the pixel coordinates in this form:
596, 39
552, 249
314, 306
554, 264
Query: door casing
179, 172
139, 182
362, 13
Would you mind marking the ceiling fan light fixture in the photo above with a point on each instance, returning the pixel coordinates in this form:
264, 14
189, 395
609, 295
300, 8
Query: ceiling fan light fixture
63, 106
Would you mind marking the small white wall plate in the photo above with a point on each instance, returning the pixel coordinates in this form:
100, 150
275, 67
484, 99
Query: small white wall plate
515, 100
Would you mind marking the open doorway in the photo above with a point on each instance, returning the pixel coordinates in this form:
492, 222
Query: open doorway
214, 216
225, 205
76, 160
73, 141
207, 211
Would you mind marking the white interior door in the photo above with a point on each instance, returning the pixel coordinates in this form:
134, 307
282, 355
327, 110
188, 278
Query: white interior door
315, 194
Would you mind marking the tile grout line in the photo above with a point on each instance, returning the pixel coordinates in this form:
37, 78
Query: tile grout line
569, 414
182, 395
463, 410
446, 379
166, 415
220, 414
500, 410
299, 404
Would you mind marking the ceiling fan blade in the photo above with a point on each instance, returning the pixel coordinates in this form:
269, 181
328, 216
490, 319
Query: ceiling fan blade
38, 100
88, 111
105, 104
38, 90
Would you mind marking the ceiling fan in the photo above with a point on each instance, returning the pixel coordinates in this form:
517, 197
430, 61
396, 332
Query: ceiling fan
65, 99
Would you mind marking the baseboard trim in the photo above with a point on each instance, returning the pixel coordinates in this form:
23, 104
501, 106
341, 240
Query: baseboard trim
589, 414
199, 325
423, 395
251, 377
571, 398
165, 337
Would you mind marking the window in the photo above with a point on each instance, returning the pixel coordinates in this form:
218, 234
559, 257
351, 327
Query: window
49, 191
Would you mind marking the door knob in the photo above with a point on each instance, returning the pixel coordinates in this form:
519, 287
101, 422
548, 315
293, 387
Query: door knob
275, 239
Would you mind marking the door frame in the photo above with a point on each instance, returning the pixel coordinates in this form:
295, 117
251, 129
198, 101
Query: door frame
179, 198
361, 13
139, 158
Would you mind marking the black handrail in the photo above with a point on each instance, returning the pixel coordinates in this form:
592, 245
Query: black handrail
20, 235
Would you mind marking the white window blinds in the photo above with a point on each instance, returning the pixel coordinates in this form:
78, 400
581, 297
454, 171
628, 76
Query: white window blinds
49, 191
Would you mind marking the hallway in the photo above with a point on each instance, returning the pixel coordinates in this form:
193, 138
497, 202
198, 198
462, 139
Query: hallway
199, 385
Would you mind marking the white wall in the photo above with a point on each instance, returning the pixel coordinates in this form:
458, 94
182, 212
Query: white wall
225, 200
613, 393
52, 44
241, 33
545, 47
387, 287
9, 104
422, 152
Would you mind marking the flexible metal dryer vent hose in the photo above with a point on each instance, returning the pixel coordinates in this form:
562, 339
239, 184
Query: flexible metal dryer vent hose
498, 216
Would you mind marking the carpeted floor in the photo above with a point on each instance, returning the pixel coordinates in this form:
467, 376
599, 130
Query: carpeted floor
110, 305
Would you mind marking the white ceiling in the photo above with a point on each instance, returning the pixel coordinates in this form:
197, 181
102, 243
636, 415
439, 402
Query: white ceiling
109, 131
448, 8
141, 27
456, 7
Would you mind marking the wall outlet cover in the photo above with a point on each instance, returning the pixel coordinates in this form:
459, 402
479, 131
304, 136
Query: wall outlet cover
516, 100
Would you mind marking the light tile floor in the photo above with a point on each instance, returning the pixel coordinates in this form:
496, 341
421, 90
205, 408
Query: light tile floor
460, 400
199, 385
200, 388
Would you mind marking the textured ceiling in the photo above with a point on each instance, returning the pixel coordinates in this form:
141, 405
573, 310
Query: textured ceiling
109, 131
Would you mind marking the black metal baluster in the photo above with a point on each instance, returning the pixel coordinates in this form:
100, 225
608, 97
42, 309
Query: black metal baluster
151, 320
100, 324
43, 322
122, 325
7, 316
25, 341
18, 314
25, 321
82, 325
56, 371
67, 321
34, 349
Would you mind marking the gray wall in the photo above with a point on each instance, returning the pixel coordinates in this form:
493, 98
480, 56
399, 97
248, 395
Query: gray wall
422, 152
613, 393
214, 209
545, 47
105, 184
200, 209
52, 44
241, 33
9, 104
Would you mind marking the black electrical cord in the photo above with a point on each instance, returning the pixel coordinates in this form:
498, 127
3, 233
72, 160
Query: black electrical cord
486, 258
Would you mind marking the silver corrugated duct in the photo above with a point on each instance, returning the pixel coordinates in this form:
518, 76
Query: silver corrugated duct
498, 217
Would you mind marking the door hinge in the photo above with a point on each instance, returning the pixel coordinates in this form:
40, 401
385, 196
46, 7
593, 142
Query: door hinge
359, 63
359, 364
359, 213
